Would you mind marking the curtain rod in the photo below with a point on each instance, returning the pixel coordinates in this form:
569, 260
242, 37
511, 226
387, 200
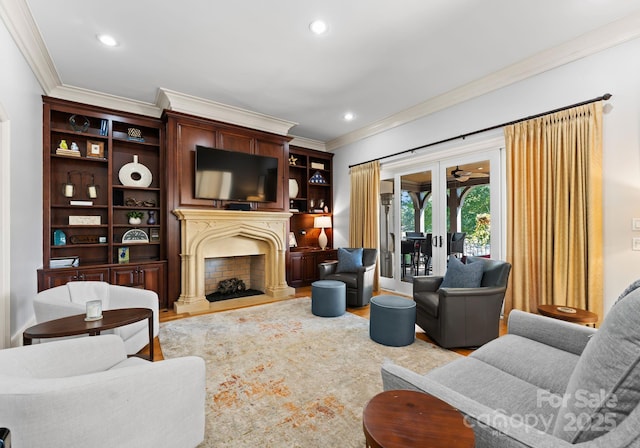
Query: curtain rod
605, 97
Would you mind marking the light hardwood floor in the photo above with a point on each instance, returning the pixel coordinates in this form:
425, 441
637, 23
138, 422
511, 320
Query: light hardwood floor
169, 315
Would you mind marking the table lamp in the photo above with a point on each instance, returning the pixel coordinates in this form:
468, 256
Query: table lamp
322, 222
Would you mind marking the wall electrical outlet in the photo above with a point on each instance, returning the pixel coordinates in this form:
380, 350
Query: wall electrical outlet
636, 244
635, 225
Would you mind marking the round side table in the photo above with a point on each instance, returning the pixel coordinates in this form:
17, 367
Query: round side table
569, 314
406, 419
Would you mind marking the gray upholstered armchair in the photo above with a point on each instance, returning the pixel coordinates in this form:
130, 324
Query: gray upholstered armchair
359, 279
462, 317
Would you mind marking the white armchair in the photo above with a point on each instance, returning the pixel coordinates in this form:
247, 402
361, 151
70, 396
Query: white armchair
70, 299
85, 392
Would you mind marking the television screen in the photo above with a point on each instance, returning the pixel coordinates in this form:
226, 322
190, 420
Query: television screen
235, 176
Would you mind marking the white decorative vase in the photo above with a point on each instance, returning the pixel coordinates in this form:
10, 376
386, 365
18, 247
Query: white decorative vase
293, 188
135, 221
135, 174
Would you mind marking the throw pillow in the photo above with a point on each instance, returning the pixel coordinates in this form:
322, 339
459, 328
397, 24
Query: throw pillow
349, 260
461, 275
629, 289
604, 386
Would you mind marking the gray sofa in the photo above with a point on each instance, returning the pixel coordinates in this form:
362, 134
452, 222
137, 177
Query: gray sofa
547, 383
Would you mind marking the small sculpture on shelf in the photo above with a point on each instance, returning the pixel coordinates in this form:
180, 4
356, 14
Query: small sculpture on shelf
63, 149
79, 123
135, 134
133, 202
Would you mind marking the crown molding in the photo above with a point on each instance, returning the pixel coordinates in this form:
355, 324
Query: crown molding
23, 29
20, 24
585, 45
181, 102
100, 99
308, 143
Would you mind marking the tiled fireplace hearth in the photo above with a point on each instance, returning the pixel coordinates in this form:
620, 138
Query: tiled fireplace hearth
224, 233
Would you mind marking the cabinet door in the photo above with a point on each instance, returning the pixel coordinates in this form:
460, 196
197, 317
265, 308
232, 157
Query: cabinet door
125, 276
147, 276
52, 278
309, 268
93, 275
152, 278
295, 269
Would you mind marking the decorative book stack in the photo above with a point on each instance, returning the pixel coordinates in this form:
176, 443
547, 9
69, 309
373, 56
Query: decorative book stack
68, 152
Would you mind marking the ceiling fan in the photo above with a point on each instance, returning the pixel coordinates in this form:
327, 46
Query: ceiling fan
463, 175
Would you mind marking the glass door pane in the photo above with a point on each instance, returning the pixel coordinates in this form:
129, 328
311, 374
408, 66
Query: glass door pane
443, 209
387, 233
416, 224
468, 216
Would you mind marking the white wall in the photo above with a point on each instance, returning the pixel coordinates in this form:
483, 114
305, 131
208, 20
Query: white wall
615, 71
20, 96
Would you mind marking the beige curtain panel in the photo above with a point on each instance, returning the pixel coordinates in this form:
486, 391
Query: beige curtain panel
554, 234
364, 219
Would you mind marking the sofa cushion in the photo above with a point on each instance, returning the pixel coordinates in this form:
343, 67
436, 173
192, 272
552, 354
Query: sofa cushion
604, 388
546, 367
349, 260
461, 275
498, 390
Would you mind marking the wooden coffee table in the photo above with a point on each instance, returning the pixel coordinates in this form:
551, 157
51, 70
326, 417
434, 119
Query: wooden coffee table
406, 418
579, 316
75, 325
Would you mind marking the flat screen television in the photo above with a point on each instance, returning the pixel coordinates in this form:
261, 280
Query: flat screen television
235, 176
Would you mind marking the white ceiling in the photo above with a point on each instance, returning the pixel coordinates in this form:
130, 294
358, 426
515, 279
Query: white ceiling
380, 57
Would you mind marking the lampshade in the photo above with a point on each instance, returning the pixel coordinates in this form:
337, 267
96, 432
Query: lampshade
322, 222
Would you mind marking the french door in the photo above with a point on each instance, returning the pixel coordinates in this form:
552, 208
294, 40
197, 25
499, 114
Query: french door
432, 210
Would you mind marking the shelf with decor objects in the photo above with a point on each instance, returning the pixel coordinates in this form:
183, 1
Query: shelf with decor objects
98, 165
312, 172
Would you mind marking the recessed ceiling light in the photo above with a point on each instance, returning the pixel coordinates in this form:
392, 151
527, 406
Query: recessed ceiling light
318, 27
348, 116
107, 40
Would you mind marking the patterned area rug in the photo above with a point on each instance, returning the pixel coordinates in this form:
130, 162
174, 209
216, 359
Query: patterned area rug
278, 376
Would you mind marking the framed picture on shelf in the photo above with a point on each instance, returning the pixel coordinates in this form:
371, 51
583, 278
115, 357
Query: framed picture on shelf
123, 255
95, 149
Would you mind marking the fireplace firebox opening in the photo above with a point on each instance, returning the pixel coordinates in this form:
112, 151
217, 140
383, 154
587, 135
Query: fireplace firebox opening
234, 277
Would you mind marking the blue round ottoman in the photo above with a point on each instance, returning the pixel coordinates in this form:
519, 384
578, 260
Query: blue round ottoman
328, 298
392, 320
